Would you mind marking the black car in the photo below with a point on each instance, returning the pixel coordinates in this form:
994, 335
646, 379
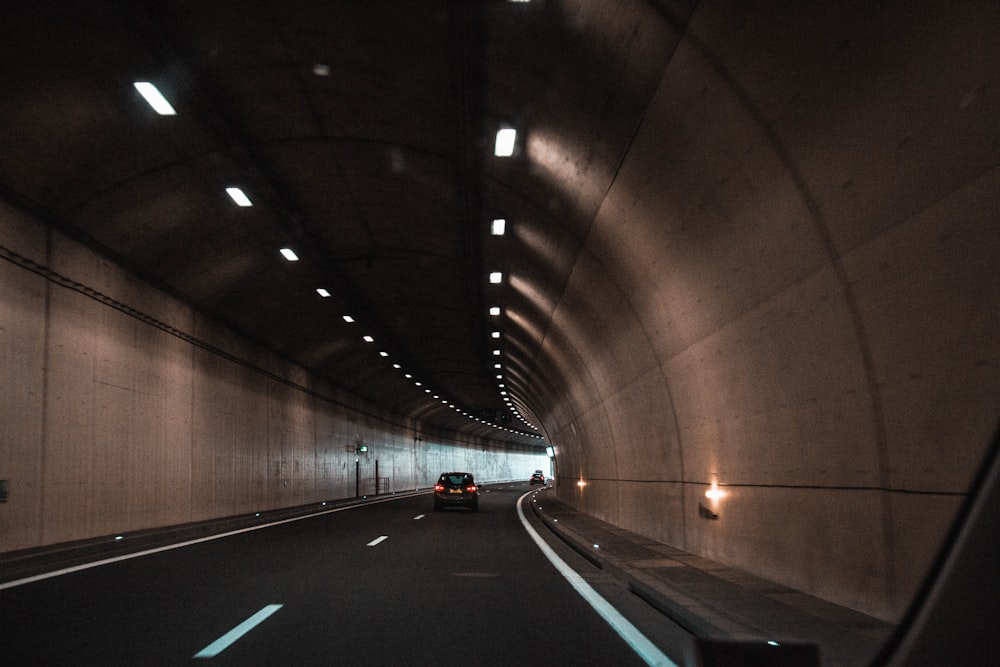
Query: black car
537, 477
456, 489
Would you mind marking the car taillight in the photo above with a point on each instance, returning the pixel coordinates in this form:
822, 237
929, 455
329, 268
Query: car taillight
439, 487
472, 489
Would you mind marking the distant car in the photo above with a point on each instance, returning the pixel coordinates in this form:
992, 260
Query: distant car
456, 489
537, 477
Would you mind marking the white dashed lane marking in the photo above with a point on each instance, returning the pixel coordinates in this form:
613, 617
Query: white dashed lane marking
223, 642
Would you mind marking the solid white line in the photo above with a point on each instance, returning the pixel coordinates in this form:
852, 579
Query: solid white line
168, 547
223, 642
377, 540
418, 517
631, 634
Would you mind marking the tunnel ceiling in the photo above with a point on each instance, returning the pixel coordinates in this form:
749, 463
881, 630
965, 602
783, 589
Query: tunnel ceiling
363, 135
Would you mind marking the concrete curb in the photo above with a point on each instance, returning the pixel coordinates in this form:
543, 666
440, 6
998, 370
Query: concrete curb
693, 615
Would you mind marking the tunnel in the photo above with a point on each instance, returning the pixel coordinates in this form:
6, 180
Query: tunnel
733, 284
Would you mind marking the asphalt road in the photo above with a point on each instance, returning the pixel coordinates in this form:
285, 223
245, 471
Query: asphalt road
391, 583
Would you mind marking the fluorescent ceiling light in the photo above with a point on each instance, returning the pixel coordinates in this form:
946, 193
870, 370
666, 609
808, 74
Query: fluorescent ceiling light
495, 310
322, 292
504, 146
499, 225
239, 197
383, 354
496, 353
368, 339
496, 277
289, 254
348, 319
495, 334
155, 98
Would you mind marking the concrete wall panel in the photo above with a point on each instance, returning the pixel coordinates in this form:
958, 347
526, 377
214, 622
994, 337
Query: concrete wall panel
70, 408
22, 358
778, 397
655, 509
598, 316
810, 260
654, 452
122, 418
927, 292
702, 223
113, 446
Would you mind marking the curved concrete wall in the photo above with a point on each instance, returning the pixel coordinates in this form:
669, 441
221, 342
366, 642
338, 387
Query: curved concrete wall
790, 291
123, 409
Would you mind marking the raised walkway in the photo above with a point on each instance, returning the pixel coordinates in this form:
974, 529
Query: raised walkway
738, 618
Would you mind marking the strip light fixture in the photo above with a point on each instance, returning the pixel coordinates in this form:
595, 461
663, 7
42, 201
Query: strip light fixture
155, 98
239, 197
504, 146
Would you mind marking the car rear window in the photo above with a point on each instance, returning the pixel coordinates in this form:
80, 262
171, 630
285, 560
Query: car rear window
456, 480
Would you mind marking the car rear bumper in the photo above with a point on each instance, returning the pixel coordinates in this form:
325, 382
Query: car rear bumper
443, 499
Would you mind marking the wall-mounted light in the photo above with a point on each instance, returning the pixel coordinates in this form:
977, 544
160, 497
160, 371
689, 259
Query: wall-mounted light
715, 493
